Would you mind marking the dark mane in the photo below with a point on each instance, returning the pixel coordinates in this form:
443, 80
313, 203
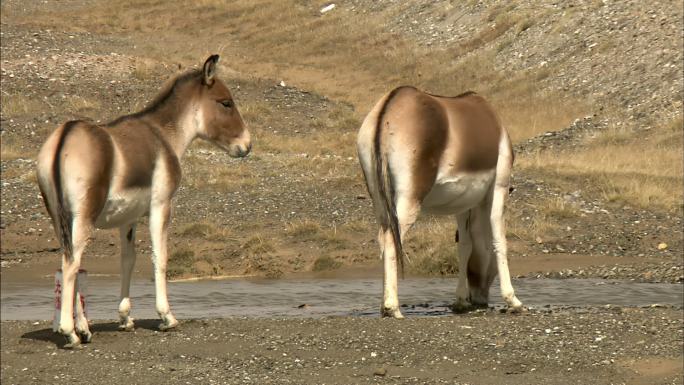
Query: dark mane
166, 92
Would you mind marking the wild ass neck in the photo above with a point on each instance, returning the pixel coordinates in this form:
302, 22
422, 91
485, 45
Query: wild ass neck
178, 122
178, 125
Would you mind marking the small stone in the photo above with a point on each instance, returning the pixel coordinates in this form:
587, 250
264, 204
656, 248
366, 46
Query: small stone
380, 372
327, 8
662, 246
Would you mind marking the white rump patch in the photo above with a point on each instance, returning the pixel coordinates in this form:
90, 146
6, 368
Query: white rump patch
124, 207
455, 194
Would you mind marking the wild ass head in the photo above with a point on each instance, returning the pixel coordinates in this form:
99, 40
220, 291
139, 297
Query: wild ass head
218, 119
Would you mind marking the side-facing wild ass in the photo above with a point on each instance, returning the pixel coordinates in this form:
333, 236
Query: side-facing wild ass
105, 176
442, 155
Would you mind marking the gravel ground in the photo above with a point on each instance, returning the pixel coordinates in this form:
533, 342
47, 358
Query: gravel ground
609, 345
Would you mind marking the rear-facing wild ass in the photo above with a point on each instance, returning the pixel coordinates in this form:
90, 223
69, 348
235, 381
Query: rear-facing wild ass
444, 155
105, 176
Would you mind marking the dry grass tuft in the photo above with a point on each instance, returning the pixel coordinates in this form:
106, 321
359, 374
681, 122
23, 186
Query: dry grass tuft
331, 239
76, 103
325, 263
207, 231
319, 143
310, 231
11, 152
234, 176
559, 208
359, 226
431, 248
180, 262
541, 222
640, 169
144, 69
258, 245
255, 112
14, 105
305, 230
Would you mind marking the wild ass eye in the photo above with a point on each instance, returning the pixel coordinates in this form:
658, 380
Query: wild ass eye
227, 103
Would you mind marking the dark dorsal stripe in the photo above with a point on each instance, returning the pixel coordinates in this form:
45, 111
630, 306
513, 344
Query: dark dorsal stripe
161, 99
467, 93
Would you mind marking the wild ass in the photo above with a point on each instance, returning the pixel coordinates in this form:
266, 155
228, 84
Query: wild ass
442, 155
105, 176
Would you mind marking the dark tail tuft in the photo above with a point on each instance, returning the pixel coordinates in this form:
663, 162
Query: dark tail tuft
386, 185
64, 216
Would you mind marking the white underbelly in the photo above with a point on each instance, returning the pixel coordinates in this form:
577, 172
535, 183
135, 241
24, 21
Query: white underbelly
123, 208
458, 193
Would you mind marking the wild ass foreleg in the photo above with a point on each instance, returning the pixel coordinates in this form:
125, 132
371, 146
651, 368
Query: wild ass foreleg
127, 237
80, 237
160, 215
465, 249
500, 247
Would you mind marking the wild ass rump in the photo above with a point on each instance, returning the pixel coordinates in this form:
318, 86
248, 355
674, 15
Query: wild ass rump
442, 155
104, 176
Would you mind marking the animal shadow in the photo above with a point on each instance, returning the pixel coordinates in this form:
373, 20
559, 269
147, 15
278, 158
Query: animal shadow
47, 335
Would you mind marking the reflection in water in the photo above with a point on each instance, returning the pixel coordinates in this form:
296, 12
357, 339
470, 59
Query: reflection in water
323, 297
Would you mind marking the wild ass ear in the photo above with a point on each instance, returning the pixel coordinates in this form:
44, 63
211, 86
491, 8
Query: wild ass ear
210, 69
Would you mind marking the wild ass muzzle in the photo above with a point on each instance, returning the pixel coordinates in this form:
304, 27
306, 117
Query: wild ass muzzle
105, 176
441, 155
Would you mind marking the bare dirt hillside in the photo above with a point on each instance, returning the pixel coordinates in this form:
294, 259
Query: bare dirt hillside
591, 92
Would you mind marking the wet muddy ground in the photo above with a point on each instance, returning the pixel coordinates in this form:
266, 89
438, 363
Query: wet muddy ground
321, 297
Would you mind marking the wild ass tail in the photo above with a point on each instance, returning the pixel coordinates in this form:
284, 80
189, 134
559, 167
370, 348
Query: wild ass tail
385, 184
63, 215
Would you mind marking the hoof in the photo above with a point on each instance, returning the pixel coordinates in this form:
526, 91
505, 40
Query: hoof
514, 305
461, 306
72, 341
126, 328
86, 336
168, 324
393, 313
127, 325
517, 309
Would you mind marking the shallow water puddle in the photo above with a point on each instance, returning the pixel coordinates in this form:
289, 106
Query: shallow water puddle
322, 297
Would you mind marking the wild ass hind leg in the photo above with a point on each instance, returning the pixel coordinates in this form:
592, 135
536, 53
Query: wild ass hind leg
81, 320
127, 237
478, 268
465, 249
160, 216
390, 298
407, 212
498, 232
81, 232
